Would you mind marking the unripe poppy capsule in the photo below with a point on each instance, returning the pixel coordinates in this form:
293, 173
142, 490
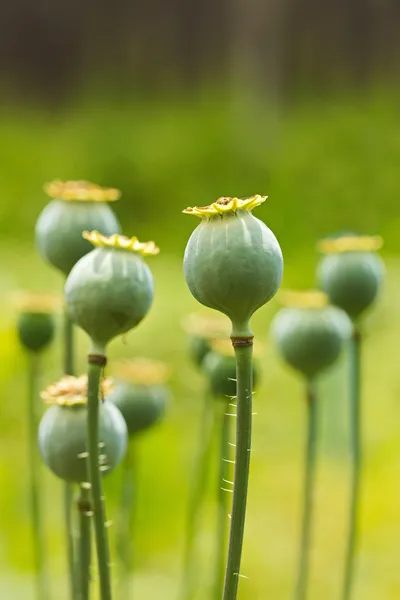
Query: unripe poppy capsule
351, 272
141, 393
76, 206
309, 333
220, 368
62, 433
233, 262
35, 324
110, 290
202, 330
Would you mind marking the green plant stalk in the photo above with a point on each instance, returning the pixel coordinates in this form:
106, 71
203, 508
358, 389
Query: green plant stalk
84, 507
68, 487
196, 498
126, 522
308, 493
356, 451
42, 589
95, 479
244, 372
222, 497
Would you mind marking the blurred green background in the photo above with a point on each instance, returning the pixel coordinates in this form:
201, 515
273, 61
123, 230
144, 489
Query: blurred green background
177, 104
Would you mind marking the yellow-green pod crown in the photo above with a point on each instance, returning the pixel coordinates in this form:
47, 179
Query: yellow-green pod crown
233, 262
110, 290
76, 206
351, 272
309, 334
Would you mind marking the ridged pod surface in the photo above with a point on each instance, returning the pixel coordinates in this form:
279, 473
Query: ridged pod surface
141, 405
108, 292
221, 373
352, 280
63, 440
310, 339
60, 225
233, 262
35, 330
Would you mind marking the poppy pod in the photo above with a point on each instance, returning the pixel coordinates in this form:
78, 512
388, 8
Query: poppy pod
233, 262
220, 368
351, 272
35, 324
141, 393
201, 331
110, 290
309, 333
63, 431
76, 206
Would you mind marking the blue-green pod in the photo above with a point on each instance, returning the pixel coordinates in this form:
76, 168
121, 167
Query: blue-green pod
63, 440
310, 338
202, 330
141, 393
233, 262
142, 406
351, 273
110, 290
199, 347
77, 206
35, 330
220, 371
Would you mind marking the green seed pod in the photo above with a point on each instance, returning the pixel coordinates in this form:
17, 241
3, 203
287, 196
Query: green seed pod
110, 290
309, 333
233, 262
202, 331
141, 394
35, 324
77, 206
351, 273
219, 367
35, 330
62, 433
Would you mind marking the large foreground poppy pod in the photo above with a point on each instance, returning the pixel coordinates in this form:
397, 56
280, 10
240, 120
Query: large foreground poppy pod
76, 206
63, 430
351, 272
110, 290
233, 262
141, 392
308, 332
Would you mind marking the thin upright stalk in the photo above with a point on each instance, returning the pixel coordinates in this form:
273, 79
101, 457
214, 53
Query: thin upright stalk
198, 477
85, 512
103, 553
42, 591
126, 522
224, 486
243, 353
308, 493
356, 451
68, 487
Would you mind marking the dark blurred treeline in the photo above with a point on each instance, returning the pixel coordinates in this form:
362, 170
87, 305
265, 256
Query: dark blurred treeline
52, 48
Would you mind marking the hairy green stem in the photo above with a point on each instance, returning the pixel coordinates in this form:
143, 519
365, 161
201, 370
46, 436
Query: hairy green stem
126, 522
243, 353
196, 498
224, 487
308, 493
42, 591
356, 451
95, 478
68, 487
85, 512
